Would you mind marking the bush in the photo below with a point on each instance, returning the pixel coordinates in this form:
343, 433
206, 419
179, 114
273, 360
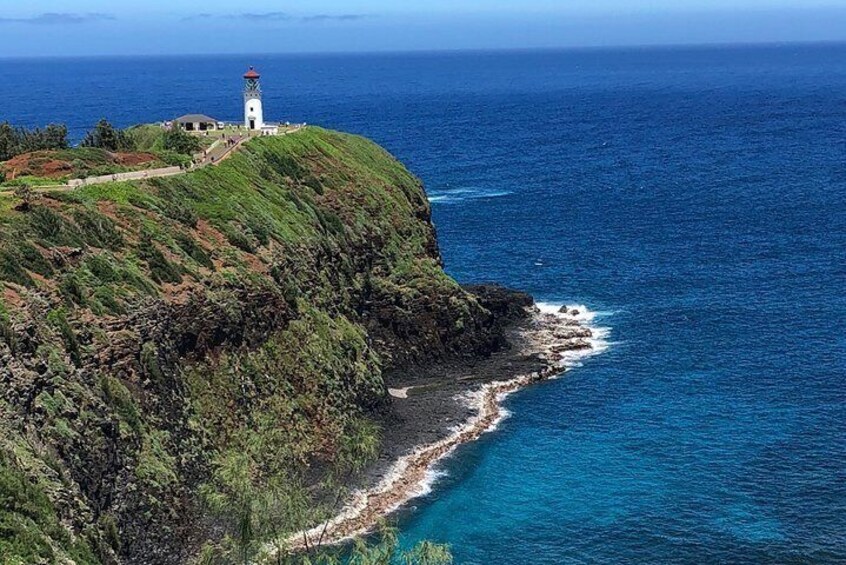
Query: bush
179, 141
106, 136
11, 269
161, 270
59, 320
26, 195
14, 141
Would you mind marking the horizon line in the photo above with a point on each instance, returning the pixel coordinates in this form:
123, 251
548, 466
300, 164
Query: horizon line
446, 51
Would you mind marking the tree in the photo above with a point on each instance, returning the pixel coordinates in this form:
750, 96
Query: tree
179, 141
388, 552
26, 196
15, 140
106, 136
8, 141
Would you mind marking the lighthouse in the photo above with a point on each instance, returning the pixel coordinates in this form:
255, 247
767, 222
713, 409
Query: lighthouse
253, 115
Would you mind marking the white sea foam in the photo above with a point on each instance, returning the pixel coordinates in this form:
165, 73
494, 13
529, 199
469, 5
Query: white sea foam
397, 473
462, 194
579, 312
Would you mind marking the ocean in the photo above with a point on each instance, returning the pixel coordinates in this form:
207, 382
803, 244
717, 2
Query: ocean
693, 198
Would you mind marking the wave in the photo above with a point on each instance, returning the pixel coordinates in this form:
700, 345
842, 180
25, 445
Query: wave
462, 194
415, 474
585, 316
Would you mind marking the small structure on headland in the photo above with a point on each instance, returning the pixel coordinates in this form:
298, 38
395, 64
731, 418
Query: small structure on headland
196, 122
253, 113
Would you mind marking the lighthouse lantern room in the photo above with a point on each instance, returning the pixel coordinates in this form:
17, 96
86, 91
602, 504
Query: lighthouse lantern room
253, 115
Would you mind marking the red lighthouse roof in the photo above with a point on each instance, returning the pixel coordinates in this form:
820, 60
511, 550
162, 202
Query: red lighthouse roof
251, 74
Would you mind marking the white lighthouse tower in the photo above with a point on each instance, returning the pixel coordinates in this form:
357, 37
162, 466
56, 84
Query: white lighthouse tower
253, 115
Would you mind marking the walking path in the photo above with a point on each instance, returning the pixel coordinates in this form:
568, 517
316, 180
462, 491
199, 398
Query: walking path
218, 152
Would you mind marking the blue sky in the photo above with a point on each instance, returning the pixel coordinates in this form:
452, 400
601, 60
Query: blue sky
101, 27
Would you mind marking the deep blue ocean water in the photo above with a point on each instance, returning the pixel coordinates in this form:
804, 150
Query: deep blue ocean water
695, 197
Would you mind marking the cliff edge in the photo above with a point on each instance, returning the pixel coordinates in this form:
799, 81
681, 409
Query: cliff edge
151, 329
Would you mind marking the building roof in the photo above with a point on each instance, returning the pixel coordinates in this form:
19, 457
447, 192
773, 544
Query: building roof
194, 119
251, 74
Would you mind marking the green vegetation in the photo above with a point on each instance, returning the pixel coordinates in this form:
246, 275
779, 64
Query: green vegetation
146, 137
14, 141
43, 158
106, 136
227, 327
30, 531
179, 141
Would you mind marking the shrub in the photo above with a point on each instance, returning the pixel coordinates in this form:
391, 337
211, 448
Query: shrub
14, 141
161, 270
106, 136
98, 230
26, 195
7, 334
59, 320
179, 141
120, 399
12, 271
193, 250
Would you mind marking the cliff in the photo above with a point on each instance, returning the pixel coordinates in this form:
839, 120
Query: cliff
148, 330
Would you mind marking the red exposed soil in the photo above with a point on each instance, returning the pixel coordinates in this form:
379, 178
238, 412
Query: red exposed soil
44, 164
133, 159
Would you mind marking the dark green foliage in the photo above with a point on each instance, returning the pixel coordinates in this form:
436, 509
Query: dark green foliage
59, 320
179, 141
161, 270
11, 269
105, 136
73, 291
150, 362
331, 222
120, 399
111, 534
174, 159
30, 531
15, 141
239, 237
52, 228
175, 208
26, 511
33, 260
193, 250
105, 301
7, 334
102, 268
97, 230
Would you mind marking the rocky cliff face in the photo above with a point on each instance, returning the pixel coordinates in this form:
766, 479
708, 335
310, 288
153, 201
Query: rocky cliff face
148, 329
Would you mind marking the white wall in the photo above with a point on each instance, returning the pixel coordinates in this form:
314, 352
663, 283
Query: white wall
253, 110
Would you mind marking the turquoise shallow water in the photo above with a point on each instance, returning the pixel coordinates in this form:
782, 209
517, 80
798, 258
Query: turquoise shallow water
697, 197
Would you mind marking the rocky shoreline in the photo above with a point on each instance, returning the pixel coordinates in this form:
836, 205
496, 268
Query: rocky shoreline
448, 406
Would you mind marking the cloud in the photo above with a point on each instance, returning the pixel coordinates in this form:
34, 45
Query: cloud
333, 18
276, 17
59, 18
264, 17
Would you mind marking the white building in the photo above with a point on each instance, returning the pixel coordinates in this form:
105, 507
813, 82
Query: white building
196, 122
253, 110
253, 113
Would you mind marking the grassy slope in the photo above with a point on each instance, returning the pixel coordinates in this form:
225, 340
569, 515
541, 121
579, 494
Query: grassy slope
282, 247
81, 162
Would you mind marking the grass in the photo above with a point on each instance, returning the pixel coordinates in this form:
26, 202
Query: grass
31, 531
